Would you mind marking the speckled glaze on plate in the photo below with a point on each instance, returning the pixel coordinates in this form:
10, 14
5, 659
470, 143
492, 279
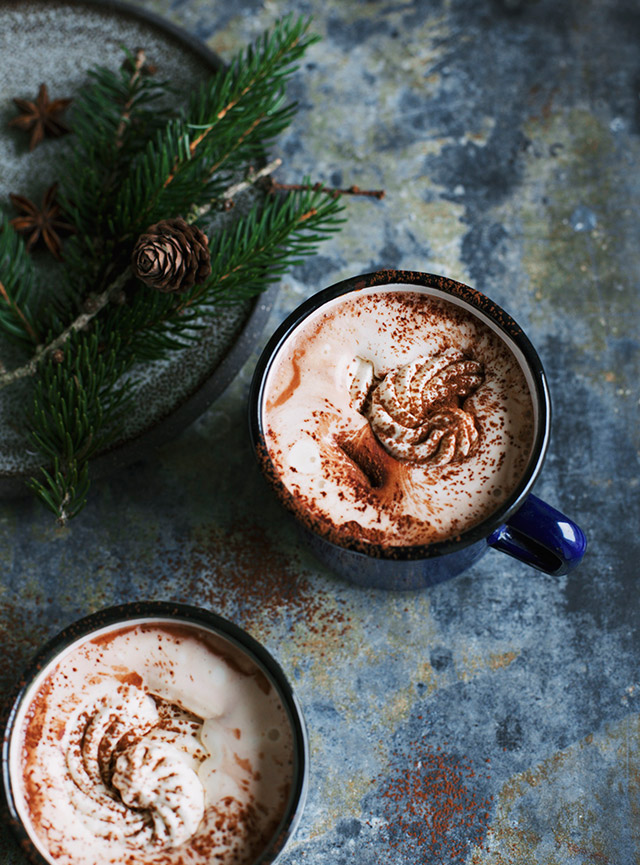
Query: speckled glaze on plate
56, 42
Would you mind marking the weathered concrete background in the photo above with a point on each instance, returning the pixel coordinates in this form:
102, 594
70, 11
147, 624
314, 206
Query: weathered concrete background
506, 703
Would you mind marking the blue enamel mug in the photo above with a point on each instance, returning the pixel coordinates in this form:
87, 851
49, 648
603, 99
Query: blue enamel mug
522, 525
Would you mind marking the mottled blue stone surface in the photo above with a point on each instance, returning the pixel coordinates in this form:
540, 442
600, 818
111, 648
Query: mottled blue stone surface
507, 138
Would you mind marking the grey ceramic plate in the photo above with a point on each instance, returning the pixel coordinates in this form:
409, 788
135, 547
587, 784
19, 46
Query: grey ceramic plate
56, 42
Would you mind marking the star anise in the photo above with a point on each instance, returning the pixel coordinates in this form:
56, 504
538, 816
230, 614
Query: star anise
42, 222
41, 116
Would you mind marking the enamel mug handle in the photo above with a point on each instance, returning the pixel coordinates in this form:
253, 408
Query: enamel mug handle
542, 537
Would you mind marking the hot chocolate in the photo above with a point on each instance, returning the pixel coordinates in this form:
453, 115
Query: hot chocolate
396, 417
158, 742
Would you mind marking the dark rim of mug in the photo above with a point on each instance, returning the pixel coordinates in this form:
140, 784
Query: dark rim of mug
476, 300
196, 617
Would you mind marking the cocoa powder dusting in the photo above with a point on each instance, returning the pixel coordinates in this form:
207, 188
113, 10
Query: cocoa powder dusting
243, 575
34, 795
131, 678
436, 386
435, 805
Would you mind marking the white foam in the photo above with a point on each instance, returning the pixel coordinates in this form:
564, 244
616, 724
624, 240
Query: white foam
309, 405
174, 779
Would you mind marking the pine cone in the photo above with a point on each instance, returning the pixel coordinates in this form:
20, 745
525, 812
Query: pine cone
172, 256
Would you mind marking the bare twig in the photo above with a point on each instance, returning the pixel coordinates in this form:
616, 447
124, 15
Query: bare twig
252, 177
235, 189
97, 303
274, 186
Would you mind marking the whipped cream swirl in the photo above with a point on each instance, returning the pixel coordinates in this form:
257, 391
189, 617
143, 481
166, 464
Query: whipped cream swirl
131, 771
416, 411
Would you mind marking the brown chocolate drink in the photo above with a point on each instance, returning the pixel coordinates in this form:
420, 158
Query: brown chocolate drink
396, 417
154, 742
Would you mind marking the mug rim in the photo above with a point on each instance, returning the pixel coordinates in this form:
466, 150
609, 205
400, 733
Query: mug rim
476, 300
197, 617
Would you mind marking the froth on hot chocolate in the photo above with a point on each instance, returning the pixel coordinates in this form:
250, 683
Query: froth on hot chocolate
155, 743
396, 417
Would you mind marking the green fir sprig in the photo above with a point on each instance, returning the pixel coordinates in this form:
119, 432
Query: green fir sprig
137, 160
252, 253
78, 402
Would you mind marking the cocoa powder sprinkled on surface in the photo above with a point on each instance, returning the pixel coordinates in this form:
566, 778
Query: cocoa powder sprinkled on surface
244, 576
435, 805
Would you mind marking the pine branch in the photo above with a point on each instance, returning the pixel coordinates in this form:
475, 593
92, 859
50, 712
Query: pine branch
126, 114
73, 396
63, 492
246, 257
275, 236
113, 117
97, 303
44, 352
261, 73
78, 402
141, 162
229, 121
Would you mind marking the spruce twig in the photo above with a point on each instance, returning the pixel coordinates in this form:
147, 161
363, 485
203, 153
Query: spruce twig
98, 302
13, 306
243, 107
138, 63
235, 189
274, 185
77, 405
43, 352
